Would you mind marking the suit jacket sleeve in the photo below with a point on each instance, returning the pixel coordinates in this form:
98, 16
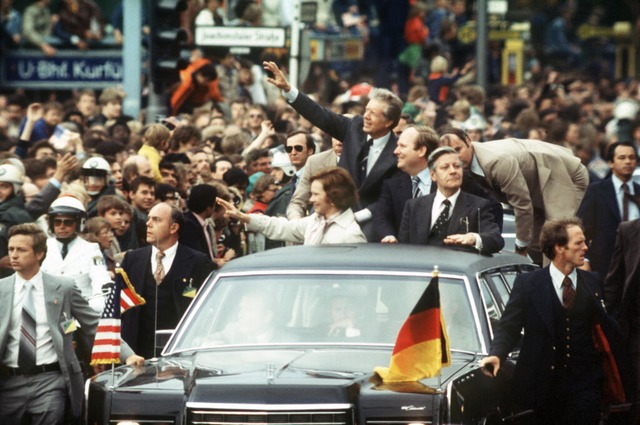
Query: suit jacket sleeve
383, 212
328, 121
587, 213
88, 318
299, 203
511, 323
490, 233
507, 176
42, 201
615, 280
405, 232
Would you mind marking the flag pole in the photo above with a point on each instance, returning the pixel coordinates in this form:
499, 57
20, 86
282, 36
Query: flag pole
436, 273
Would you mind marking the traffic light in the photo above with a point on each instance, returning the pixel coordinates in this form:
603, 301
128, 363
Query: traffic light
167, 42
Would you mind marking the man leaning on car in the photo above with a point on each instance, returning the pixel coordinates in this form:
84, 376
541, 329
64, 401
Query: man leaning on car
559, 372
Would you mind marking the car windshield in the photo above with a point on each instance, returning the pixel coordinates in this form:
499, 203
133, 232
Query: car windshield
317, 309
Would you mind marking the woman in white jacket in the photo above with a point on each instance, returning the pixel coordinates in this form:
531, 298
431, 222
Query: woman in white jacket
333, 193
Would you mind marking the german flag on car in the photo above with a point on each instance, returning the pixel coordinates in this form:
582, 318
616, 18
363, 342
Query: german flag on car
422, 345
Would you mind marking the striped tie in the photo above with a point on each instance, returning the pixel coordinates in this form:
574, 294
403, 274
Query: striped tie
415, 187
27, 353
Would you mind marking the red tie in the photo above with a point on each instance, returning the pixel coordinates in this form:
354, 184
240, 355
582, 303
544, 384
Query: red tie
568, 293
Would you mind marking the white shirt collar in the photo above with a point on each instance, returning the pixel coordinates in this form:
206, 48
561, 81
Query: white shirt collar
617, 184
380, 142
439, 198
475, 166
169, 252
36, 281
557, 277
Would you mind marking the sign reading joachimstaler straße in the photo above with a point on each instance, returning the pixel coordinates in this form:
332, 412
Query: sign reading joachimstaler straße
240, 36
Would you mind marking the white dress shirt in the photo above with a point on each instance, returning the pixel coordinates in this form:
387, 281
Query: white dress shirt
167, 261
633, 208
438, 207
557, 277
45, 351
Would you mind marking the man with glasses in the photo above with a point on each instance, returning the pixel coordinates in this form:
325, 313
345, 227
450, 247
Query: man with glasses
71, 256
299, 146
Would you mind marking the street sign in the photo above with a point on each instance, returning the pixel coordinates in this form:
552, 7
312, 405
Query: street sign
240, 36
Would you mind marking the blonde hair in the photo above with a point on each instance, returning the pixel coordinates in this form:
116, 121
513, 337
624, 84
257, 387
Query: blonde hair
155, 135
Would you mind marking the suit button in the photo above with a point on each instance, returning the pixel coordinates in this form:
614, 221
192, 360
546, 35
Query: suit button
568, 329
568, 355
568, 346
553, 367
554, 348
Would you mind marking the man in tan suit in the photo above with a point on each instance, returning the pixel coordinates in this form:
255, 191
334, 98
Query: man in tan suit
541, 181
299, 204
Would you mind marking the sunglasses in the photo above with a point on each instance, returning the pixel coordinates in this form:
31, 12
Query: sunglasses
67, 222
290, 149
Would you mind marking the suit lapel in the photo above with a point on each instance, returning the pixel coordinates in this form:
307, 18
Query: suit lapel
423, 207
458, 214
53, 304
610, 200
385, 161
543, 302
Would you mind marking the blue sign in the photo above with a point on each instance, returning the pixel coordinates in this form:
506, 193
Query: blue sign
68, 69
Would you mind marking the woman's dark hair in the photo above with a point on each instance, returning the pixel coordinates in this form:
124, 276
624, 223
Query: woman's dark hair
339, 187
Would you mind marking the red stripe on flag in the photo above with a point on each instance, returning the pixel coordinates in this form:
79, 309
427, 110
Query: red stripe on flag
420, 327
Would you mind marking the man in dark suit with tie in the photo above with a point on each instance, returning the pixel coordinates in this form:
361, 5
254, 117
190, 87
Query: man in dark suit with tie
412, 150
368, 141
197, 233
40, 372
559, 373
166, 274
622, 294
605, 205
449, 216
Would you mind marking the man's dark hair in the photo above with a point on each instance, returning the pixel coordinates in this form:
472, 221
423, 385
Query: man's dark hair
166, 165
459, 133
220, 159
255, 154
176, 216
611, 150
109, 148
112, 202
554, 233
202, 197
208, 71
310, 141
35, 168
33, 150
142, 181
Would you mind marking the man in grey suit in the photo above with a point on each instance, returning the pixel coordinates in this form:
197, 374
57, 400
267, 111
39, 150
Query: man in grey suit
541, 181
40, 369
299, 204
449, 216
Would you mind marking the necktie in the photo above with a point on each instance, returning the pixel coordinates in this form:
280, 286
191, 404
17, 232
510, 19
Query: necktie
27, 353
439, 229
363, 159
159, 274
568, 293
625, 202
212, 243
415, 187
65, 249
294, 182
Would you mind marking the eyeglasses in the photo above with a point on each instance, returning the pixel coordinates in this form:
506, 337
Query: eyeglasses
290, 149
66, 222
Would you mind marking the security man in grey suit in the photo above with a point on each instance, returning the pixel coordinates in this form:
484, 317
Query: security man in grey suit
449, 216
39, 369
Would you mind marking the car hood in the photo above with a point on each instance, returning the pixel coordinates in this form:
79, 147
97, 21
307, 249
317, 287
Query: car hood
224, 374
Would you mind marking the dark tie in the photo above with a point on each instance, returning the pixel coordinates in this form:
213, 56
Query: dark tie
625, 202
568, 293
294, 182
159, 274
439, 229
65, 249
363, 159
415, 187
27, 353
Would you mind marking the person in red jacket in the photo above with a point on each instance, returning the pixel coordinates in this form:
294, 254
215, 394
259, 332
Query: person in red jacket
198, 85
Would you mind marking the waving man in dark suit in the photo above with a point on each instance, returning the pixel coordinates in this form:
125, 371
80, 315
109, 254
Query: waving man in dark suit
368, 142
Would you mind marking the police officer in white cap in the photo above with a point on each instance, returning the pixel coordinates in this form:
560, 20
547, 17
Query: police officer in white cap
95, 176
71, 256
12, 210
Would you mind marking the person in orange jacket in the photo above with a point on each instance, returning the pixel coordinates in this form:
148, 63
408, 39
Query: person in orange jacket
198, 85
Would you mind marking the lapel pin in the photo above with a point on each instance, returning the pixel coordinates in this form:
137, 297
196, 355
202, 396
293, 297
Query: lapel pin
55, 301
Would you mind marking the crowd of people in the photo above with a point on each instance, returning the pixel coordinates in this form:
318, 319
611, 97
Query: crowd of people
247, 162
